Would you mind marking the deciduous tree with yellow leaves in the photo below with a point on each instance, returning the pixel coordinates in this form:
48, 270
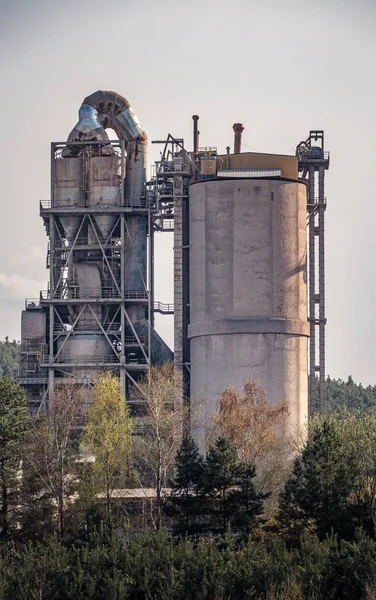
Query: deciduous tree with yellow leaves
258, 431
164, 415
108, 439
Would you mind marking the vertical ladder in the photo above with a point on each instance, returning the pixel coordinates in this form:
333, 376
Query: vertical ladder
313, 161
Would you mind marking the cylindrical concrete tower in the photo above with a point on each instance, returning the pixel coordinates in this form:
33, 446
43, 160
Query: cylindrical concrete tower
248, 297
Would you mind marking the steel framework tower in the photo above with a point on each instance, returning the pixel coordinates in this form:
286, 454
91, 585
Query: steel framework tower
96, 319
97, 312
313, 161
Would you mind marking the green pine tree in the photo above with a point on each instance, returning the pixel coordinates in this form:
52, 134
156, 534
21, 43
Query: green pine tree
220, 476
9, 358
13, 425
245, 504
317, 496
187, 501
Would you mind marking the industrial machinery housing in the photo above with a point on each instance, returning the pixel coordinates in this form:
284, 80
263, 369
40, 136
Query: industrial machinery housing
239, 222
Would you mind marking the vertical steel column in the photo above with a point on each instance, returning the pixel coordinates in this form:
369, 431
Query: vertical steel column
185, 297
178, 289
322, 318
148, 285
312, 299
178, 284
151, 267
122, 305
122, 373
313, 161
51, 357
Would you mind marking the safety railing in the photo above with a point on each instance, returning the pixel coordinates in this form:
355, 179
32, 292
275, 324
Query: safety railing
135, 361
88, 359
165, 309
33, 345
114, 330
86, 294
164, 224
171, 168
32, 371
32, 303
317, 202
87, 326
136, 295
89, 148
313, 156
132, 340
91, 359
83, 241
145, 203
207, 150
77, 293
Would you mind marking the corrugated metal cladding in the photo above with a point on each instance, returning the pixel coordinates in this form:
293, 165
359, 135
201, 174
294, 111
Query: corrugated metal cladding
250, 173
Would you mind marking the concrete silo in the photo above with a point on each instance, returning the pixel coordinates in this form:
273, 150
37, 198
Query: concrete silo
248, 293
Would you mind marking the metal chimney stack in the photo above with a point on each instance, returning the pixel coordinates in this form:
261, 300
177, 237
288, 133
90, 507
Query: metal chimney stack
196, 133
238, 130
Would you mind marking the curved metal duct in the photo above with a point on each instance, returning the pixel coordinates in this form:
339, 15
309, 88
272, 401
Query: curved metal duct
103, 110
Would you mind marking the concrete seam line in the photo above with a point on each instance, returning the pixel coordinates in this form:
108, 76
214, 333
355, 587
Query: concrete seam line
249, 326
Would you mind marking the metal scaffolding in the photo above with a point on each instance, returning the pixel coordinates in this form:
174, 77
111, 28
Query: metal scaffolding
171, 179
313, 161
73, 310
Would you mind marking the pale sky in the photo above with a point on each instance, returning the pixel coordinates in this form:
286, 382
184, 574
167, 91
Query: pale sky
279, 67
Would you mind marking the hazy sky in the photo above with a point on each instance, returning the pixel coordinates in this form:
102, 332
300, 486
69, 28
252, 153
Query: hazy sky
280, 67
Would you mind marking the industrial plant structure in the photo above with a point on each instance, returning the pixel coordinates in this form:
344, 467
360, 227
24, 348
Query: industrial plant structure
239, 222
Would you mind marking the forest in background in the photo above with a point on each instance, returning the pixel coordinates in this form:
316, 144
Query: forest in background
9, 358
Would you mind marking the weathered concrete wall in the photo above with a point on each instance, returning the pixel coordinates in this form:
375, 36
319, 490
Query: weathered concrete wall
248, 296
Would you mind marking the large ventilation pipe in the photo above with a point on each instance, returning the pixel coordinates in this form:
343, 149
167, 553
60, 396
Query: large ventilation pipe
103, 110
196, 133
238, 130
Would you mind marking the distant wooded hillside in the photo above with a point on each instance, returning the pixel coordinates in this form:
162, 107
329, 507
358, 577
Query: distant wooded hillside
342, 396
9, 357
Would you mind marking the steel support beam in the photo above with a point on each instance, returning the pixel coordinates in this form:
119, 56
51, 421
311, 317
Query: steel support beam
313, 161
51, 360
322, 316
122, 308
312, 291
